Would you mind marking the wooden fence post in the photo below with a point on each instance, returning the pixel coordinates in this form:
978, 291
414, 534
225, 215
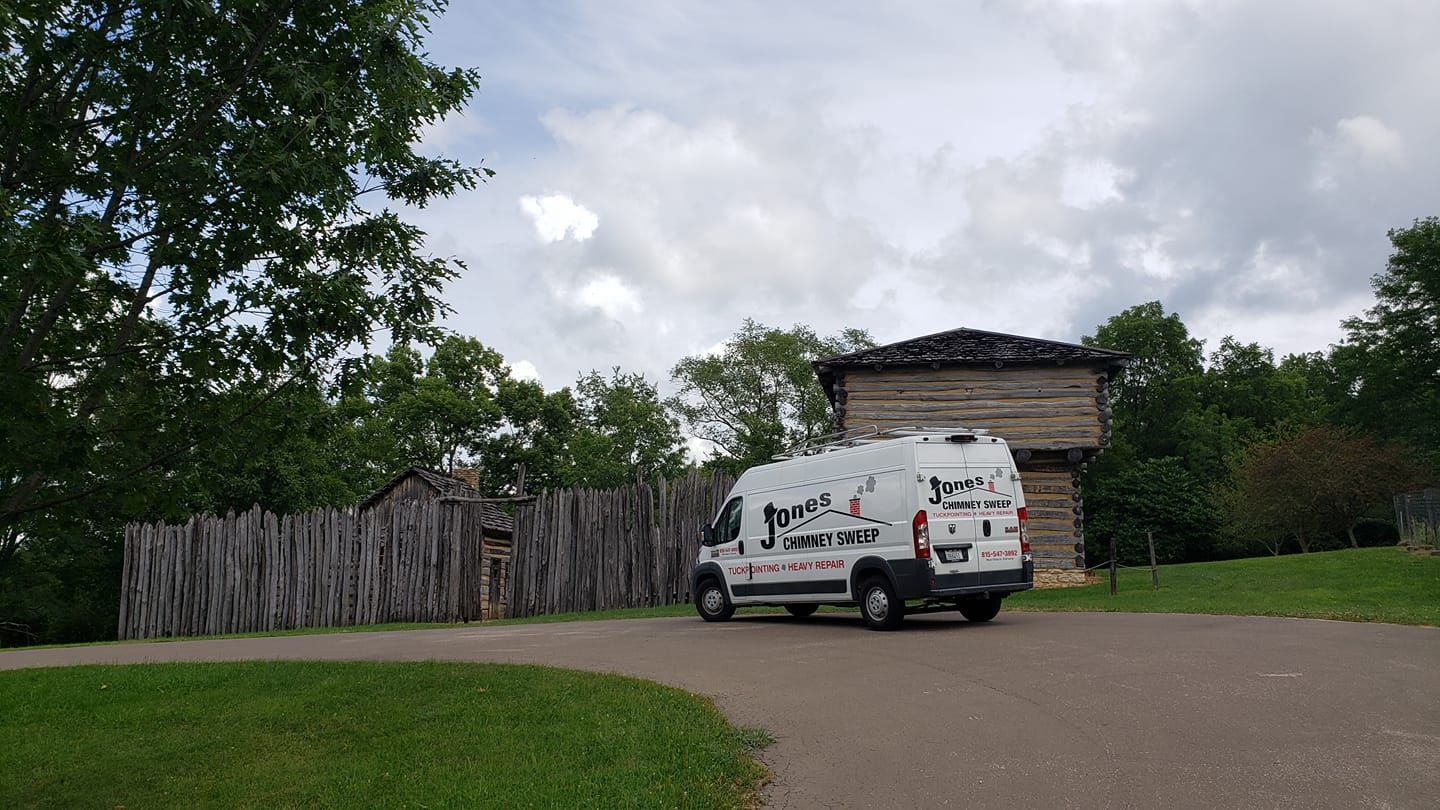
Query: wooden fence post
1154, 570
1112, 565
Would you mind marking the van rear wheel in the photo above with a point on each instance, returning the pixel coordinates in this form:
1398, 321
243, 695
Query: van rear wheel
982, 609
879, 606
712, 602
801, 611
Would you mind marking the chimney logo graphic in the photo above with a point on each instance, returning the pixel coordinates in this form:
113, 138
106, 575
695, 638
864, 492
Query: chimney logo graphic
868, 486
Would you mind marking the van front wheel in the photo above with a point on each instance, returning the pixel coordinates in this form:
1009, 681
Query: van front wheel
980, 610
712, 602
879, 606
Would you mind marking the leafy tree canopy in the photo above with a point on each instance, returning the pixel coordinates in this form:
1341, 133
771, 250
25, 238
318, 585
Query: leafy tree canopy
1162, 380
625, 431
194, 206
1389, 364
1159, 496
759, 394
1314, 485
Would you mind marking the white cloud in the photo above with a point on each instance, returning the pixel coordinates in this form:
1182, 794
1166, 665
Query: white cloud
524, 370
556, 216
610, 295
1371, 138
1031, 168
1358, 147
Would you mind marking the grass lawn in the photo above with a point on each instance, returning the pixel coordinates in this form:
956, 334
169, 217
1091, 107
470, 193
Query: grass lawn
269, 734
1363, 585
662, 611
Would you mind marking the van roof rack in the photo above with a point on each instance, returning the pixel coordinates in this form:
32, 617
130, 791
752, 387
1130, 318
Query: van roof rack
869, 434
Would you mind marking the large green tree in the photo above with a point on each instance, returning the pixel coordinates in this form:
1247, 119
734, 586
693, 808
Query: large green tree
1313, 486
1162, 381
1155, 496
624, 431
431, 412
196, 205
1389, 364
759, 394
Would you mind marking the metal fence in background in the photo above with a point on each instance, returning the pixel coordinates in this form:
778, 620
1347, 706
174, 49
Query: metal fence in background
1417, 514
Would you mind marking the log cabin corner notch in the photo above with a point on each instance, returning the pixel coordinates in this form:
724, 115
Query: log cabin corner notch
1048, 399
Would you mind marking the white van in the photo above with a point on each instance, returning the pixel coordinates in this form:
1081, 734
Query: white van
932, 516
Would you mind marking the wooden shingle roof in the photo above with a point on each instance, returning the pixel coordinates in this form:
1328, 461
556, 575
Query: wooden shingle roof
496, 521
966, 347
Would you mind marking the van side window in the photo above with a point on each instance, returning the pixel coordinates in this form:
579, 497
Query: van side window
727, 527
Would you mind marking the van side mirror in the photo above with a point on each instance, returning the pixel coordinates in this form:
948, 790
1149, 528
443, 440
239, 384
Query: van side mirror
707, 535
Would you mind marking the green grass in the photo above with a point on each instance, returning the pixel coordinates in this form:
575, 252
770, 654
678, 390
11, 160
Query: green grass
662, 611
1362, 585
365, 734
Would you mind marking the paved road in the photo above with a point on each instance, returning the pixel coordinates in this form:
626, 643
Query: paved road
1059, 710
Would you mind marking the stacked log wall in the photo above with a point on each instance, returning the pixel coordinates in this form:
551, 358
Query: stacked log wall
1039, 407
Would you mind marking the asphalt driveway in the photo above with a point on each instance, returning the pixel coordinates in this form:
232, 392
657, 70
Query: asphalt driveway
1034, 709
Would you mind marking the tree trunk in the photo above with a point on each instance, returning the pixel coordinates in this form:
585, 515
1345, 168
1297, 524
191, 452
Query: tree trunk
1350, 532
1304, 542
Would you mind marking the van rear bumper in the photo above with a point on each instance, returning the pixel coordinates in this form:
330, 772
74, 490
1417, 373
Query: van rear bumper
922, 583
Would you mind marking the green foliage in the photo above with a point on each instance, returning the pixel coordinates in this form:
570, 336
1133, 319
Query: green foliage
1389, 364
536, 432
1163, 380
1150, 495
1255, 394
1194, 418
759, 395
428, 413
625, 431
63, 586
1313, 486
193, 215
365, 734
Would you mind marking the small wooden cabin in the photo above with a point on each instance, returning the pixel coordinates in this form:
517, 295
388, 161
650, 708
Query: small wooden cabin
420, 484
1049, 400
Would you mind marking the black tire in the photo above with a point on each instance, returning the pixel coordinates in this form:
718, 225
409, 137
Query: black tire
879, 606
801, 611
712, 602
980, 610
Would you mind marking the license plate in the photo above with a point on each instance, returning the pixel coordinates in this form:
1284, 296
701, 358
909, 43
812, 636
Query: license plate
954, 555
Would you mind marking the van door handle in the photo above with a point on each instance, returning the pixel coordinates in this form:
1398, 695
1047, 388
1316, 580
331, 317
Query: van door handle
742, 548
985, 527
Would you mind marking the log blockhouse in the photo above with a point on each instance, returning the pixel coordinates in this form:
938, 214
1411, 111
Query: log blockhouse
1049, 400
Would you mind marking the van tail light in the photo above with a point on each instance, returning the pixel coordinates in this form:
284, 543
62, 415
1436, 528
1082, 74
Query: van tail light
921, 525
1025, 554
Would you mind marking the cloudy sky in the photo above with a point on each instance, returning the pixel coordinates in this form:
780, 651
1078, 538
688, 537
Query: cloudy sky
668, 169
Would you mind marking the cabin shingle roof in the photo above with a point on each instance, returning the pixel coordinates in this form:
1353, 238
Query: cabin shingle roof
496, 521
966, 347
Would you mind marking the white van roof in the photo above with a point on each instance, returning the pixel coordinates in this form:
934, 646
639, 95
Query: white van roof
869, 434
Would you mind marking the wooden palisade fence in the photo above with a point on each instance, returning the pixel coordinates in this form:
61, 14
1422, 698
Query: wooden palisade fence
588, 549
417, 561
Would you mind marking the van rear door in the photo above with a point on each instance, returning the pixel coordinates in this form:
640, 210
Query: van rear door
944, 493
997, 499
